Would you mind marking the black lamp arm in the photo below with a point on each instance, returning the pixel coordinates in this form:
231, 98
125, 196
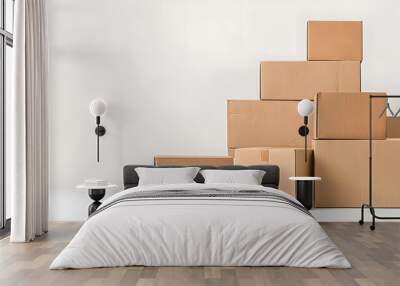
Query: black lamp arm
303, 131
100, 131
305, 139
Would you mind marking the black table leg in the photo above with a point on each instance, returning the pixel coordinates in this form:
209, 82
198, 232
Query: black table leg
305, 193
96, 195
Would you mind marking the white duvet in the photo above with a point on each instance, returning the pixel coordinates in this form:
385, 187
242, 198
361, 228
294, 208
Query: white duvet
212, 231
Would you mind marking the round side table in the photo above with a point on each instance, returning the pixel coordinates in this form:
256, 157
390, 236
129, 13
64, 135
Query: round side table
96, 193
305, 189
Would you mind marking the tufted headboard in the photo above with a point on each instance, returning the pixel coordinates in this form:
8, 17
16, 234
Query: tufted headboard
271, 177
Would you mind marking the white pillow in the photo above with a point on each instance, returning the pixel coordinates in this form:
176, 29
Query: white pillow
248, 177
165, 176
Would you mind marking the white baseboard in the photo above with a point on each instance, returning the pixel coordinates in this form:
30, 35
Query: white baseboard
350, 214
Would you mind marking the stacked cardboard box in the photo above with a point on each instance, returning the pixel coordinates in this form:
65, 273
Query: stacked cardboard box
334, 41
291, 162
343, 166
266, 131
342, 127
303, 80
255, 123
346, 116
192, 160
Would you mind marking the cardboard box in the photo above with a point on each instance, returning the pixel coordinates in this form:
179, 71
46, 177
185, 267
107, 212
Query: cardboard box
291, 162
393, 127
253, 123
300, 80
334, 41
385, 170
192, 160
252, 156
346, 116
343, 167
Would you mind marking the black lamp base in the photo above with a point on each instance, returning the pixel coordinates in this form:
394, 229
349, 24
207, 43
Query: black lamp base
96, 195
305, 193
303, 130
100, 130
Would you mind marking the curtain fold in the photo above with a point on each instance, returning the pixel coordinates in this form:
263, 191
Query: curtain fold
28, 123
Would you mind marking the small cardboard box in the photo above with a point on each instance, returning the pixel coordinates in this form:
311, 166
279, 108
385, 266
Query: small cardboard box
253, 123
343, 167
192, 160
393, 127
334, 41
301, 80
346, 116
291, 162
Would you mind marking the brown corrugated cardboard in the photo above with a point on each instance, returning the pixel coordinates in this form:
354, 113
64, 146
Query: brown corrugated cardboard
300, 80
346, 116
253, 123
343, 167
385, 170
393, 127
252, 156
291, 162
192, 160
334, 41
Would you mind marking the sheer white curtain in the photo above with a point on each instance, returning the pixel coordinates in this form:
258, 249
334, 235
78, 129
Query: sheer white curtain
28, 123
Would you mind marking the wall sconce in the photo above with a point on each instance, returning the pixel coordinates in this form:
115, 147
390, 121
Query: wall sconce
97, 108
305, 108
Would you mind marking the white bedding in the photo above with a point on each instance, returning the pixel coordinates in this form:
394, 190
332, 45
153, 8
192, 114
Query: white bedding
199, 231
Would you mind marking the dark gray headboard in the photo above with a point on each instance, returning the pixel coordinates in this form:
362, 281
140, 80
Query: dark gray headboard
271, 177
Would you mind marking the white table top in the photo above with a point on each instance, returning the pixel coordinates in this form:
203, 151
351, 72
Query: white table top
305, 178
86, 187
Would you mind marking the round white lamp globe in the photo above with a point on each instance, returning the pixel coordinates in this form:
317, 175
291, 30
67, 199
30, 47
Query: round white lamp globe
97, 107
305, 107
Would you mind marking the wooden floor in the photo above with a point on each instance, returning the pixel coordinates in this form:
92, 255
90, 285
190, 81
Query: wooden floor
375, 257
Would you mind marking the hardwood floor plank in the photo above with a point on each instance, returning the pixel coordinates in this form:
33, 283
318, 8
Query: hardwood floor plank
375, 257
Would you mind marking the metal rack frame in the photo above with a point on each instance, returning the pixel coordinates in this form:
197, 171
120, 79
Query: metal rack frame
370, 205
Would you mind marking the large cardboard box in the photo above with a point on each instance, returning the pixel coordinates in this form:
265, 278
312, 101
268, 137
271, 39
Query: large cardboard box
192, 160
343, 167
334, 41
393, 127
385, 173
300, 80
346, 116
291, 162
254, 123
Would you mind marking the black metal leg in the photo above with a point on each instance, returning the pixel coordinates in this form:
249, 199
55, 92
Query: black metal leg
361, 221
370, 165
305, 193
372, 210
374, 216
96, 195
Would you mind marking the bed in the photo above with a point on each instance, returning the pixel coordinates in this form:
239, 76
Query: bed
198, 224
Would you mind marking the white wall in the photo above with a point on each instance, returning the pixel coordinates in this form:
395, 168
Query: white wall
166, 69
